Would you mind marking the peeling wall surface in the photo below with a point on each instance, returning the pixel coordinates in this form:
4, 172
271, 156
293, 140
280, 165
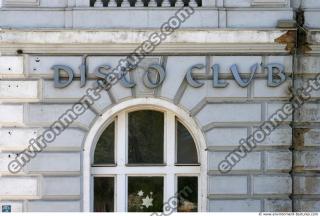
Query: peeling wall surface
282, 173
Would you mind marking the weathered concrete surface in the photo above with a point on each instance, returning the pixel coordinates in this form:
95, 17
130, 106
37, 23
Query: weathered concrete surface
183, 41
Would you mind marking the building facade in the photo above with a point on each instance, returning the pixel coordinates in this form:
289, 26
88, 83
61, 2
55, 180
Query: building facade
172, 128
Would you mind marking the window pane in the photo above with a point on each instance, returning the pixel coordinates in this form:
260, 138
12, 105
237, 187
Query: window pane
186, 148
188, 194
146, 137
103, 194
104, 152
145, 194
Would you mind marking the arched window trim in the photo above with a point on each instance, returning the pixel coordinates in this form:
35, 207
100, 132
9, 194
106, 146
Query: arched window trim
170, 186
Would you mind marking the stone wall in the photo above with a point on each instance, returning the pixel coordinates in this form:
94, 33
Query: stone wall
31, 103
306, 130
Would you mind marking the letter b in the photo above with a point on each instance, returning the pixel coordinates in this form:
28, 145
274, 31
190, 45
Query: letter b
272, 82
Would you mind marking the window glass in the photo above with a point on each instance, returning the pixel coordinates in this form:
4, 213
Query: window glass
103, 194
187, 194
186, 147
104, 152
145, 194
146, 130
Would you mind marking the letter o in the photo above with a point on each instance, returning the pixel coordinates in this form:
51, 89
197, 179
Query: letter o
259, 136
147, 81
49, 136
174, 23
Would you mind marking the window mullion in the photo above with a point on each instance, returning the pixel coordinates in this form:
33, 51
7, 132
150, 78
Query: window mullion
170, 139
121, 140
121, 152
170, 189
121, 195
170, 157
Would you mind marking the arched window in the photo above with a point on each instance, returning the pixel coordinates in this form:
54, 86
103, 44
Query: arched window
145, 161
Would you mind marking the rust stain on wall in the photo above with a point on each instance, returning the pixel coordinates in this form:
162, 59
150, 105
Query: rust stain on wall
289, 38
298, 137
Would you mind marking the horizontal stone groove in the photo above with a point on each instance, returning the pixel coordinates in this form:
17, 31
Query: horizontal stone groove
16, 198
211, 126
248, 172
271, 174
260, 148
242, 196
302, 169
306, 196
61, 197
47, 149
162, 50
56, 174
48, 124
306, 174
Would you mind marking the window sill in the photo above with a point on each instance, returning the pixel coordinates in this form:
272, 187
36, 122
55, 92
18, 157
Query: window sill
104, 165
196, 164
145, 165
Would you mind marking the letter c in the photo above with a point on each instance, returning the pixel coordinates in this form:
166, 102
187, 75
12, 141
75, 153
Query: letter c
160, 78
194, 83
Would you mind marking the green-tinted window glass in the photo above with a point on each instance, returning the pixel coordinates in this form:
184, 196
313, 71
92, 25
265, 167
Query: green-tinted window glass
187, 194
104, 152
103, 194
186, 147
146, 130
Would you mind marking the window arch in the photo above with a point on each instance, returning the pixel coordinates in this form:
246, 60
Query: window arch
117, 115
137, 155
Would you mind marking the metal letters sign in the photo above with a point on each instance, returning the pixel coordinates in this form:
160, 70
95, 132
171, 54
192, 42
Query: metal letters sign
275, 75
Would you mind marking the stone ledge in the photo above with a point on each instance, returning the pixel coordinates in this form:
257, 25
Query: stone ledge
132, 36
126, 41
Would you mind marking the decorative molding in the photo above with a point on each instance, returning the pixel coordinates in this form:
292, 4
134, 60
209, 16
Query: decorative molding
111, 42
182, 48
134, 36
24, 3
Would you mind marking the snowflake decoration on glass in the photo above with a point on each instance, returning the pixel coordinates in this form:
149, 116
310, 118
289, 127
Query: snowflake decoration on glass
140, 193
147, 201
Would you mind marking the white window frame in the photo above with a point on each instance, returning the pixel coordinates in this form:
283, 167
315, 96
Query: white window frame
121, 171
